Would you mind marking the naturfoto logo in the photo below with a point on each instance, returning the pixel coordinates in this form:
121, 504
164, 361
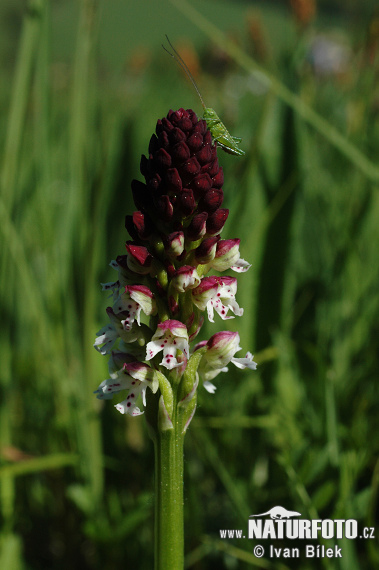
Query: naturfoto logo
284, 524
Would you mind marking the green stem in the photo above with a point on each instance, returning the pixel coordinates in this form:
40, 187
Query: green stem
169, 533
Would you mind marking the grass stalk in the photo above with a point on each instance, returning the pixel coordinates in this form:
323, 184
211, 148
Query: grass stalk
78, 215
20, 95
10, 169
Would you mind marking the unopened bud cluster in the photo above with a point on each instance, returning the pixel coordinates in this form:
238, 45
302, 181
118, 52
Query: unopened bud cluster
163, 288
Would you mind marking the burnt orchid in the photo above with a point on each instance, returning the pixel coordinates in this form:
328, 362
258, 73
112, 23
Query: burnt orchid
159, 300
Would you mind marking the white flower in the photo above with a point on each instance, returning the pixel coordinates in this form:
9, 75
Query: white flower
246, 362
135, 377
240, 266
108, 335
113, 286
169, 337
217, 294
132, 300
222, 347
228, 257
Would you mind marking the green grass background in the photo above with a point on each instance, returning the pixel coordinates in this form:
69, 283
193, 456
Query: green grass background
82, 86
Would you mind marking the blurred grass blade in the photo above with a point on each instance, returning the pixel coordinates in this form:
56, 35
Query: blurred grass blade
275, 254
20, 95
11, 552
83, 131
39, 464
10, 170
211, 453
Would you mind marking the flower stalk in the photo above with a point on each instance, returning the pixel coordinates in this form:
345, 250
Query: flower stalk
159, 300
168, 528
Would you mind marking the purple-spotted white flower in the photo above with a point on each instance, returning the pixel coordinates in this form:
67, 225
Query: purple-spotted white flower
221, 348
169, 337
108, 335
133, 300
113, 286
217, 294
135, 377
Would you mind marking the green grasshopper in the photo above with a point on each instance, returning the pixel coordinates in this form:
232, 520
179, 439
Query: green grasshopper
218, 130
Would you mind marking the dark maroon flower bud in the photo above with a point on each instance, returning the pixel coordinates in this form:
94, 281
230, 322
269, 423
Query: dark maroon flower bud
176, 136
164, 124
214, 151
206, 250
180, 119
163, 139
192, 116
164, 208
180, 152
139, 221
212, 168
144, 166
140, 225
141, 195
218, 179
195, 142
162, 159
130, 227
216, 221
153, 144
201, 184
212, 200
154, 183
200, 127
173, 180
208, 137
139, 259
191, 167
204, 155
187, 202
197, 227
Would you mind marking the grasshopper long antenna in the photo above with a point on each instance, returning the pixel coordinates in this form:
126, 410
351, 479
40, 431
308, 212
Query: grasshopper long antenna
182, 64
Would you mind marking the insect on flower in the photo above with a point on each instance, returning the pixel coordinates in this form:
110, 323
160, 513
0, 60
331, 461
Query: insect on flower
217, 128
